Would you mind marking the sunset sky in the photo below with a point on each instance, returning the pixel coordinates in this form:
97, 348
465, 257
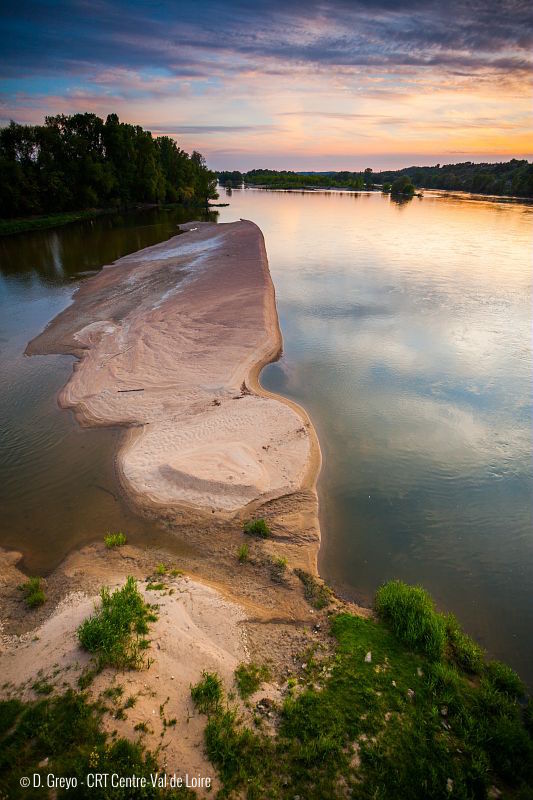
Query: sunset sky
284, 84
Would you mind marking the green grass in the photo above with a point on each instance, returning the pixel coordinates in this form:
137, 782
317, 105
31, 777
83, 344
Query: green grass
68, 731
410, 613
316, 593
115, 633
207, 693
115, 540
463, 650
160, 569
257, 527
243, 553
249, 678
400, 722
33, 592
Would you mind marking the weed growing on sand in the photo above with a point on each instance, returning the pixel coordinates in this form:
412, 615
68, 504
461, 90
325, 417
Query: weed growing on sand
33, 592
249, 678
160, 569
64, 735
383, 718
155, 587
115, 540
243, 553
278, 568
316, 593
410, 613
207, 693
257, 527
115, 633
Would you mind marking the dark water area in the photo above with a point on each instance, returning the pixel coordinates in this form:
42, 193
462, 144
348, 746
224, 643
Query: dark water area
407, 338
58, 488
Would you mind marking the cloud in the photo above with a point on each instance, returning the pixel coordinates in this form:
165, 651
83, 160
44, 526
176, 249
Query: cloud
228, 72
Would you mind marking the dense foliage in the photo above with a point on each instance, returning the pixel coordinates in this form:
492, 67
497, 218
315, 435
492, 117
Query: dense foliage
509, 178
78, 162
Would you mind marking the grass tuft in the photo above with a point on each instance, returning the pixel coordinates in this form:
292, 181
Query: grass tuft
115, 540
257, 527
462, 649
207, 693
278, 568
410, 613
249, 678
33, 592
114, 634
317, 594
504, 679
243, 553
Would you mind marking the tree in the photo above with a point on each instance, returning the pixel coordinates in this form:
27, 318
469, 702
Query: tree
402, 186
80, 161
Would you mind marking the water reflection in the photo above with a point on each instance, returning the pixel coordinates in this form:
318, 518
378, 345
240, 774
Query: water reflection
406, 335
58, 487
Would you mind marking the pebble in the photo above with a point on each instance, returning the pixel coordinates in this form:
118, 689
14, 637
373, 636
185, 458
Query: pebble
368, 657
410, 694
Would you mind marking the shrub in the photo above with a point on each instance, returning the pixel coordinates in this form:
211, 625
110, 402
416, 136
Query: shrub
243, 553
257, 527
114, 540
33, 591
207, 693
249, 678
114, 633
462, 649
160, 569
410, 613
504, 679
317, 594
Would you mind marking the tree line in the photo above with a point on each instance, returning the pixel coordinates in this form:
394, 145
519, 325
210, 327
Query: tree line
514, 177
78, 162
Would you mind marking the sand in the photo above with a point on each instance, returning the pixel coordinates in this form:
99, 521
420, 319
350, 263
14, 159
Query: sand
170, 342
197, 630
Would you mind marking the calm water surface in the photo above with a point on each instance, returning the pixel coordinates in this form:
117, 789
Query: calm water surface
58, 488
407, 337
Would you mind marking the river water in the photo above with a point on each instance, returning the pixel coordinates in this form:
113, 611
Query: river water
406, 336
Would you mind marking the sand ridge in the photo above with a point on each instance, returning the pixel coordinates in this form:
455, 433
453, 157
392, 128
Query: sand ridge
170, 342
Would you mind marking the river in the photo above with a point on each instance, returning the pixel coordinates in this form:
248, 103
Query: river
406, 336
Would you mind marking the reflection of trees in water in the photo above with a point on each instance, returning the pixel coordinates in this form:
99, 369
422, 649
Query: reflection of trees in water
57, 256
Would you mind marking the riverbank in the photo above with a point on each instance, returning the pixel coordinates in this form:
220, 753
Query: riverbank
10, 227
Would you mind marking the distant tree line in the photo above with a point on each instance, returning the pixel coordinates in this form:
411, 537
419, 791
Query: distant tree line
230, 179
513, 177
78, 162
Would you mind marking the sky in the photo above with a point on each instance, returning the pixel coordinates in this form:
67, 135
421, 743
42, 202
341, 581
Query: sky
283, 84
